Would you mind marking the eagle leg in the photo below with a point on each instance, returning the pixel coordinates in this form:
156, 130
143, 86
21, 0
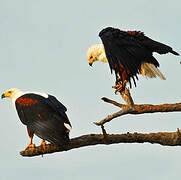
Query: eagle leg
30, 145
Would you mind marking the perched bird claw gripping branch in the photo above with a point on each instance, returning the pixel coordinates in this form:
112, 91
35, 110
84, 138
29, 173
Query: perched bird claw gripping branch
43, 115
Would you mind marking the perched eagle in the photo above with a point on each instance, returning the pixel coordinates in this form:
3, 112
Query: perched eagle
97, 53
43, 115
128, 53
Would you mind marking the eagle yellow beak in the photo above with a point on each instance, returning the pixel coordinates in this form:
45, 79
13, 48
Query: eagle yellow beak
3, 96
90, 64
6, 94
91, 60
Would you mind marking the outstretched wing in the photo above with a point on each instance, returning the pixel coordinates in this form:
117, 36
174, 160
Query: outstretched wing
125, 52
45, 117
156, 46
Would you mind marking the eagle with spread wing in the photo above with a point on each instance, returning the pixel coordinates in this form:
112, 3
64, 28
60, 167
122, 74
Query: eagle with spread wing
128, 53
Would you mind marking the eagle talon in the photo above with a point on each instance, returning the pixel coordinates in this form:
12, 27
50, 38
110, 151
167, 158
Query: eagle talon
119, 88
30, 146
43, 143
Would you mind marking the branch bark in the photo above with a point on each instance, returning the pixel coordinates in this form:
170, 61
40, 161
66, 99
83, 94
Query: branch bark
162, 138
131, 108
139, 109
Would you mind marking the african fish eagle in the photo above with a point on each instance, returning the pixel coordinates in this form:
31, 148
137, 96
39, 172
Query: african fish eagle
128, 53
43, 115
97, 53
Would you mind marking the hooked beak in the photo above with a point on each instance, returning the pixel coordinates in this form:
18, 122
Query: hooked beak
3, 96
90, 64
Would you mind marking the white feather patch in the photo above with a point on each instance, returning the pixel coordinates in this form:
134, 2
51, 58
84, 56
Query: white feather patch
38, 93
67, 126
151, 71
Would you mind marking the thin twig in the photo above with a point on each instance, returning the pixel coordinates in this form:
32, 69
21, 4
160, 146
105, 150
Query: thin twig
112, 116
113, 102
103, 131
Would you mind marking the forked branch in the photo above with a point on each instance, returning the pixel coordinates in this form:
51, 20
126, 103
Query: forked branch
131, 108
162, 138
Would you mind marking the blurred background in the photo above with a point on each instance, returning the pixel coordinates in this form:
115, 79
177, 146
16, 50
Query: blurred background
43, 47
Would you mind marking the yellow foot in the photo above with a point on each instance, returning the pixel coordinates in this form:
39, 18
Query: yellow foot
118, 87
30, 146
43, 143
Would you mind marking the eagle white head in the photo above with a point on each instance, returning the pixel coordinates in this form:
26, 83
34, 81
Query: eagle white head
96, 53
13, 94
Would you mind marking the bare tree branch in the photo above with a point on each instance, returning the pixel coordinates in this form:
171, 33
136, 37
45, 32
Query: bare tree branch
131, 108
127, 97
113, 102
162, 138
140, 109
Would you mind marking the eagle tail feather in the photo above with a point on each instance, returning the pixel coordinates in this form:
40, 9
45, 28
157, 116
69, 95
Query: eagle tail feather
151, 71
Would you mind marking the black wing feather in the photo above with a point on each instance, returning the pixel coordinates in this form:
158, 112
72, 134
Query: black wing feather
58, 107
158, 47
45, 118
130, 50
122, 48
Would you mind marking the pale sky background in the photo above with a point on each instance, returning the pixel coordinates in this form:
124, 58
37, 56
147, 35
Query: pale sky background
43, 48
